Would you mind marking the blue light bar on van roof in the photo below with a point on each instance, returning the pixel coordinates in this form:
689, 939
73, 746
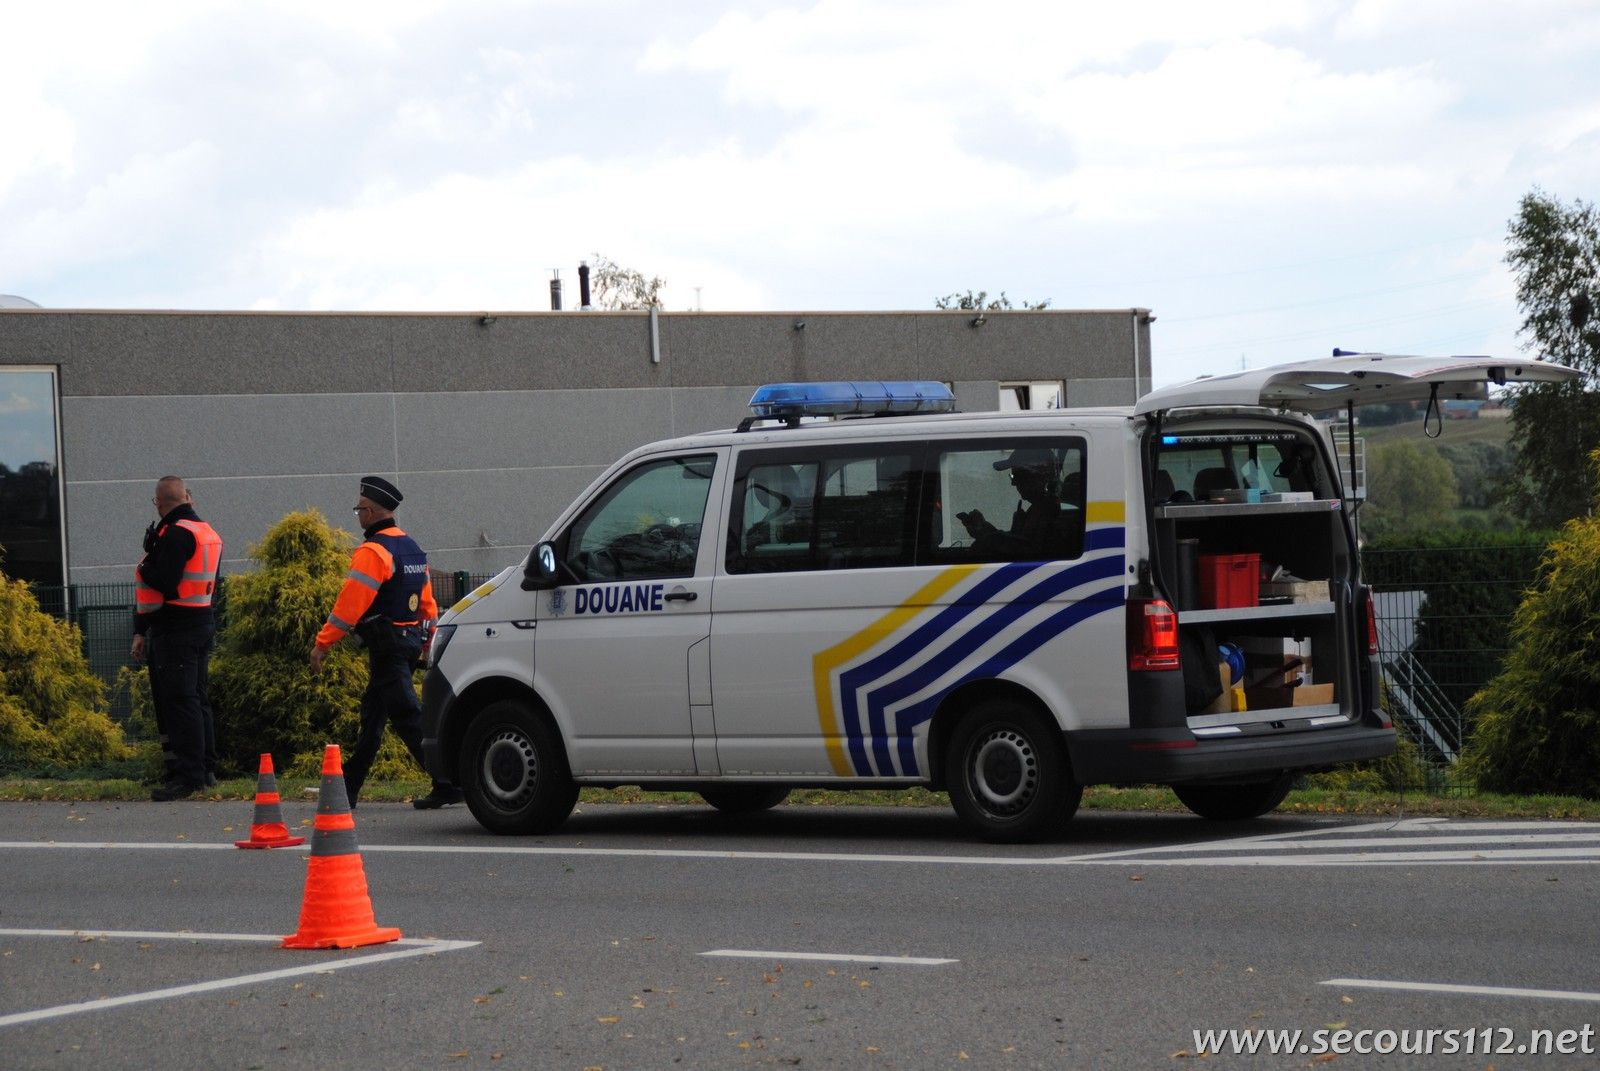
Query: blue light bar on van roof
789, 400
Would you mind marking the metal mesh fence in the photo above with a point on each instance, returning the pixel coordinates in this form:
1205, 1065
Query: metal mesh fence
1444, 623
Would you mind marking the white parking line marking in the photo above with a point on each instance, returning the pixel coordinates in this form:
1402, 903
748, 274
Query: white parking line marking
829, 957
1427, 841
1381, 842
1485, 855
417, 947
652, 853
1467, 990
146, 935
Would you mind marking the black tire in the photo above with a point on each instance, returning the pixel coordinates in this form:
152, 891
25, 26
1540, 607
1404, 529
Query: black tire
1008, 775
744, 799
1233, 803
514, 771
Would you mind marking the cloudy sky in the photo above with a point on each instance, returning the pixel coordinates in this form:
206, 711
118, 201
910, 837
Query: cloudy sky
1271, 177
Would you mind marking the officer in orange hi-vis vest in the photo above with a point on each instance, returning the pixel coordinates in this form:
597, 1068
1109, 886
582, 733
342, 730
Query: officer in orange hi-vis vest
387, 602
174, 625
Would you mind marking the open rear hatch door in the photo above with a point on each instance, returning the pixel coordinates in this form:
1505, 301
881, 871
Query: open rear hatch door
1359, 379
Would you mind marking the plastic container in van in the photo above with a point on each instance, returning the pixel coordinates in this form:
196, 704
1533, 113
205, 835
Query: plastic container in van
1230, 580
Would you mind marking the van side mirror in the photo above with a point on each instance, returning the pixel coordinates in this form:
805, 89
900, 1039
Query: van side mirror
539, 573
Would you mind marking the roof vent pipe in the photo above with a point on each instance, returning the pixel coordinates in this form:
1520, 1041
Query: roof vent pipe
583, 285
555, 290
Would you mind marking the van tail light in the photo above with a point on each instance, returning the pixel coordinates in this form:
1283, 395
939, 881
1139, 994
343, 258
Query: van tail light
1152, 635
1372, 621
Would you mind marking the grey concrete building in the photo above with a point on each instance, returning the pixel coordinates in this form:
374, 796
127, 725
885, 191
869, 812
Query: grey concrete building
489, 423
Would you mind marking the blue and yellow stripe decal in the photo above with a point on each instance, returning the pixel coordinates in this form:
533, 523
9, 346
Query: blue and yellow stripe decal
824, 663
892, 675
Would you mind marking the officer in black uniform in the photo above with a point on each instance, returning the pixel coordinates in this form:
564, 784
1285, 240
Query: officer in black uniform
387, 601
1037, 530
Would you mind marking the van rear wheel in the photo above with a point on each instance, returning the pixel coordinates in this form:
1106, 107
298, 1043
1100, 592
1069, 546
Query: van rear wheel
1232, 803
744, 799
514, 771
1008, 775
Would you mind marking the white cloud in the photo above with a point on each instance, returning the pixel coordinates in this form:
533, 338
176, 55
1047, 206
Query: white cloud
138, 211
819, 154
13, 404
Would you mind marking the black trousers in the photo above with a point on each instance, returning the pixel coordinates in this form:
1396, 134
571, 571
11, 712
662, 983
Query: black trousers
389, 699
179, 678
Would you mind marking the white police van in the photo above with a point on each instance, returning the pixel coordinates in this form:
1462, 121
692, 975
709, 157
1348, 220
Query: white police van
1005, 606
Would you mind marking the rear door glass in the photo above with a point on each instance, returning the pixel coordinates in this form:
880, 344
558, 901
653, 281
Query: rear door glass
1199, 466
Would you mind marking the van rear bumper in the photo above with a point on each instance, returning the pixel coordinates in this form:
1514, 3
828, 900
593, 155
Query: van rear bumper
1167, 756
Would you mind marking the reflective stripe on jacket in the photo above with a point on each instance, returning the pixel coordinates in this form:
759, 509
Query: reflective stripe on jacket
198, 580
388, 575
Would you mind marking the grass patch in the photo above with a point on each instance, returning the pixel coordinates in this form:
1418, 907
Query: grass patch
1387, 803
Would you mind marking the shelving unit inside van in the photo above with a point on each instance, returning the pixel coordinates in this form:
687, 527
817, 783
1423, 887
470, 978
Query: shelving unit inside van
1304, 538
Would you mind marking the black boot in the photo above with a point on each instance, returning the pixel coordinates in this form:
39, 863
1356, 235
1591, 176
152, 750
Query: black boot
441, 796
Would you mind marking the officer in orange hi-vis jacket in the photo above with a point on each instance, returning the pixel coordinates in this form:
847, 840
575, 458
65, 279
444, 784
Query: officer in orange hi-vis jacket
387, 602
174, 627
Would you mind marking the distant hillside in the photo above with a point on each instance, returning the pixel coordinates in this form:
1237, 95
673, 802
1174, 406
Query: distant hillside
1485, 429
1475, 483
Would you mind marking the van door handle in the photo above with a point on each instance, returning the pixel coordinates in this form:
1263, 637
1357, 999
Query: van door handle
682, 596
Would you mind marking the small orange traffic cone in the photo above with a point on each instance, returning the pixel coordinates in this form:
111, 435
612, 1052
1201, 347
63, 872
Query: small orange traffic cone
336, 911
268, 830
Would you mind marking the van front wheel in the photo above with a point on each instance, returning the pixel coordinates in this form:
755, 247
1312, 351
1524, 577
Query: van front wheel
1231, 803
514, 772
1008, 774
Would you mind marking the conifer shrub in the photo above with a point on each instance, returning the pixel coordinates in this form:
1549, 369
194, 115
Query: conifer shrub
262, 689
52, 707
1537, 724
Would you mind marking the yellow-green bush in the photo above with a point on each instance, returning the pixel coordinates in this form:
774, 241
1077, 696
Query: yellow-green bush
1537, 725
262, 689
1400, 771
52, 708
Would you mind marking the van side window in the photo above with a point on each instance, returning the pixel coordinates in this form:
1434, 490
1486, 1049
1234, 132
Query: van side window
828, 508
646, 525
1005, 500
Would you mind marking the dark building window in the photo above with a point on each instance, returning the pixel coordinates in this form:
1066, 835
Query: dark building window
30, 477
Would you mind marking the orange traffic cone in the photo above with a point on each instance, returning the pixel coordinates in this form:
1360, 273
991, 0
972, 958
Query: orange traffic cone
336, 911
268, 830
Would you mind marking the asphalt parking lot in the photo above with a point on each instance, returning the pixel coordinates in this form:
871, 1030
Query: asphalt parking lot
135, 935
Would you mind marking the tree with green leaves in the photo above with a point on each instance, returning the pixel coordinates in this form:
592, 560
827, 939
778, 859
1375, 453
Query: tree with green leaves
1481, 469
1537, 724
1410, 488
1554, 252
981, 301
614, 287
